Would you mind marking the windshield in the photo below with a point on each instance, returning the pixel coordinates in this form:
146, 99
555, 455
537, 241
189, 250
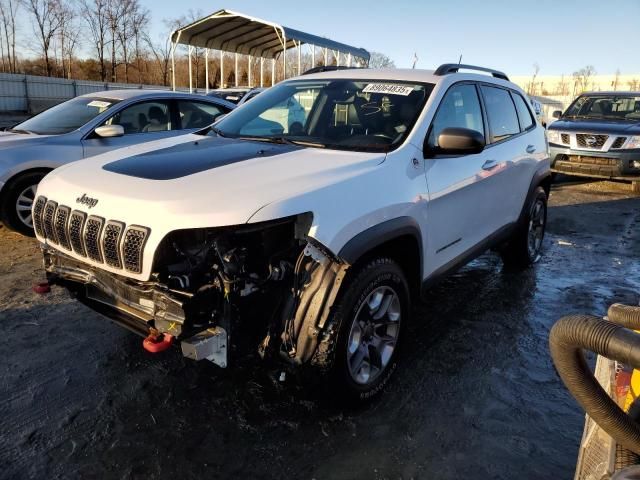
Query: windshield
342, 114
615, 107
66, 117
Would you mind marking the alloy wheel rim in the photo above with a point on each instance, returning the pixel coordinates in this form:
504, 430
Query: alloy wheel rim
24, 203
374, 335
536, 230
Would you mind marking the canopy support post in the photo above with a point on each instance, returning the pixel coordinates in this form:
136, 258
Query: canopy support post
326, 56
284, 56
261, 72
249, 71
236, 74
273, 71
221, 69
206, 70
299, 58
190, 73
313, 56
349, 61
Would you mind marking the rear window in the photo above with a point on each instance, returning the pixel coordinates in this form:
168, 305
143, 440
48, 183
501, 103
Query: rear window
503, 119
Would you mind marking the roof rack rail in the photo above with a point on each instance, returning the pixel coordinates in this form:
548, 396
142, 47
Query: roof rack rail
447, 68
328, 68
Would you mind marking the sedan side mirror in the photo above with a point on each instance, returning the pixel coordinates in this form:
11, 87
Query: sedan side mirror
109, 131
557, 114
459, 141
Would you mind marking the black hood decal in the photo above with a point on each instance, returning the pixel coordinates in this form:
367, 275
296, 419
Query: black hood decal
193, 157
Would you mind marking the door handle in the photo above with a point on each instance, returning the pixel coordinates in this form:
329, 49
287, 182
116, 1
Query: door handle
489, 164
531, 149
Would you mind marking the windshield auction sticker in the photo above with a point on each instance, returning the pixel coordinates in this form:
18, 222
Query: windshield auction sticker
98, 104
388, 88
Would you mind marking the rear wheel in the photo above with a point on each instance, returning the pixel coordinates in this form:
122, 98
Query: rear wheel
369, 318
525, 245
17, 202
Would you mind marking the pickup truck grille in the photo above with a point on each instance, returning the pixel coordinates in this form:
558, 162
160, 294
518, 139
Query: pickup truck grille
586, 140
110, 242
618, 142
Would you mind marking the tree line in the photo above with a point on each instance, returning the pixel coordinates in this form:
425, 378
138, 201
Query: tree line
111, 41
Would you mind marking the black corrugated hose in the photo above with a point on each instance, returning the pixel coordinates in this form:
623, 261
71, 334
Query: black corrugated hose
613, 339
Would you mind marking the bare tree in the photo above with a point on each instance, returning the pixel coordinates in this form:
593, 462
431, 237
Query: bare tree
581, 78
634, 84
68, 37
161, 52
94, 13
380, 60
115, 11
46, 25
616, 80
8, 13
532, 85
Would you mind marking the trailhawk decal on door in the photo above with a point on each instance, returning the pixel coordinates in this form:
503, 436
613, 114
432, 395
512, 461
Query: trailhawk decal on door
194, 157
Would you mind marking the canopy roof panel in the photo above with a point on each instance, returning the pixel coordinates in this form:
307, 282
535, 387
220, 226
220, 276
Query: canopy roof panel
239, 33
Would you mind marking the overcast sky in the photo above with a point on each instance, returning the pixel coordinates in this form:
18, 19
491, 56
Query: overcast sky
562, 36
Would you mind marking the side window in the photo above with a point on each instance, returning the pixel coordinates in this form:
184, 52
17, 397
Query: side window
143, 117
524, 114
197, 114
459, 108
503, 120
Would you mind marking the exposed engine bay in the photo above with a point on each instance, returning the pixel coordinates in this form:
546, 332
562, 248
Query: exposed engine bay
268, 287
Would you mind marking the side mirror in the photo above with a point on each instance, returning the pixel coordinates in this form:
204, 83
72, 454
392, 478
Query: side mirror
109, 131
557, 114
219, 117
459, 141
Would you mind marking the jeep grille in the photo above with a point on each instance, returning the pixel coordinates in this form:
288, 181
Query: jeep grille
110, 242
38, 208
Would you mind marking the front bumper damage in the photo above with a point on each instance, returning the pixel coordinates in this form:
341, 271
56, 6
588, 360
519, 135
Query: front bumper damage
299, 328
144, 308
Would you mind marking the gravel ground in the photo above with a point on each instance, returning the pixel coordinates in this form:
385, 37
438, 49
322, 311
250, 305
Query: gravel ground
476, 395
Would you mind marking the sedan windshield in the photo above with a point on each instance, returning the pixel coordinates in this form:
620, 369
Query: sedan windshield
613, 107
66, 117
345, 114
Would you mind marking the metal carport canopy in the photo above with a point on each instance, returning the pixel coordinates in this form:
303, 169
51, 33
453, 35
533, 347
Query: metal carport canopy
238, 33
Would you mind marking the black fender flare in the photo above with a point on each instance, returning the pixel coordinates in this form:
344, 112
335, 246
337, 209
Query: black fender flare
379, 234
540, 177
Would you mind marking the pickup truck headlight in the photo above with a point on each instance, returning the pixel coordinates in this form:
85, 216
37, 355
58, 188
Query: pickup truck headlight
554, 136
632, 142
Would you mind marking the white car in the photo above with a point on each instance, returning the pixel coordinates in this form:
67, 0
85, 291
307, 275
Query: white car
307, 244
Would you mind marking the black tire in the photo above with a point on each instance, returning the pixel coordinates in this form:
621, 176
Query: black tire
381, 276
9, 214
521, 250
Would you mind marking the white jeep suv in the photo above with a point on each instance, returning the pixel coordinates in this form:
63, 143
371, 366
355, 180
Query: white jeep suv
304, 241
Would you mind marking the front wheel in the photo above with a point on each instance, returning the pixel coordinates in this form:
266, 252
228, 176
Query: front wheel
369, 319
524, 246
15, 210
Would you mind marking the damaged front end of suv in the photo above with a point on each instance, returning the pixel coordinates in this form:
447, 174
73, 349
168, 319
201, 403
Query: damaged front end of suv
264, 287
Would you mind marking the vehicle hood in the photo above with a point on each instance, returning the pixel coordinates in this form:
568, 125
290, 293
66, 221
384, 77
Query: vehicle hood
10, 140
596, 126
193, 181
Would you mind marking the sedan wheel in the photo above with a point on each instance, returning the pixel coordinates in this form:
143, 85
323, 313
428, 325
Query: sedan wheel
24, 203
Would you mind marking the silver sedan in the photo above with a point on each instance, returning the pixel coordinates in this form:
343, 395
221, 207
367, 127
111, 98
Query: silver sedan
86, 126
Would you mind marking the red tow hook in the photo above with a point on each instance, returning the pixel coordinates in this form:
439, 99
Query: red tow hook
156, 343
42, 288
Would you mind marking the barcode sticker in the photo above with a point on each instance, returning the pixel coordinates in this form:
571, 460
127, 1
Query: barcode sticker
388, 88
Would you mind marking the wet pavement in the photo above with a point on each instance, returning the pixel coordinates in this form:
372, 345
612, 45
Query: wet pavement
475, 396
